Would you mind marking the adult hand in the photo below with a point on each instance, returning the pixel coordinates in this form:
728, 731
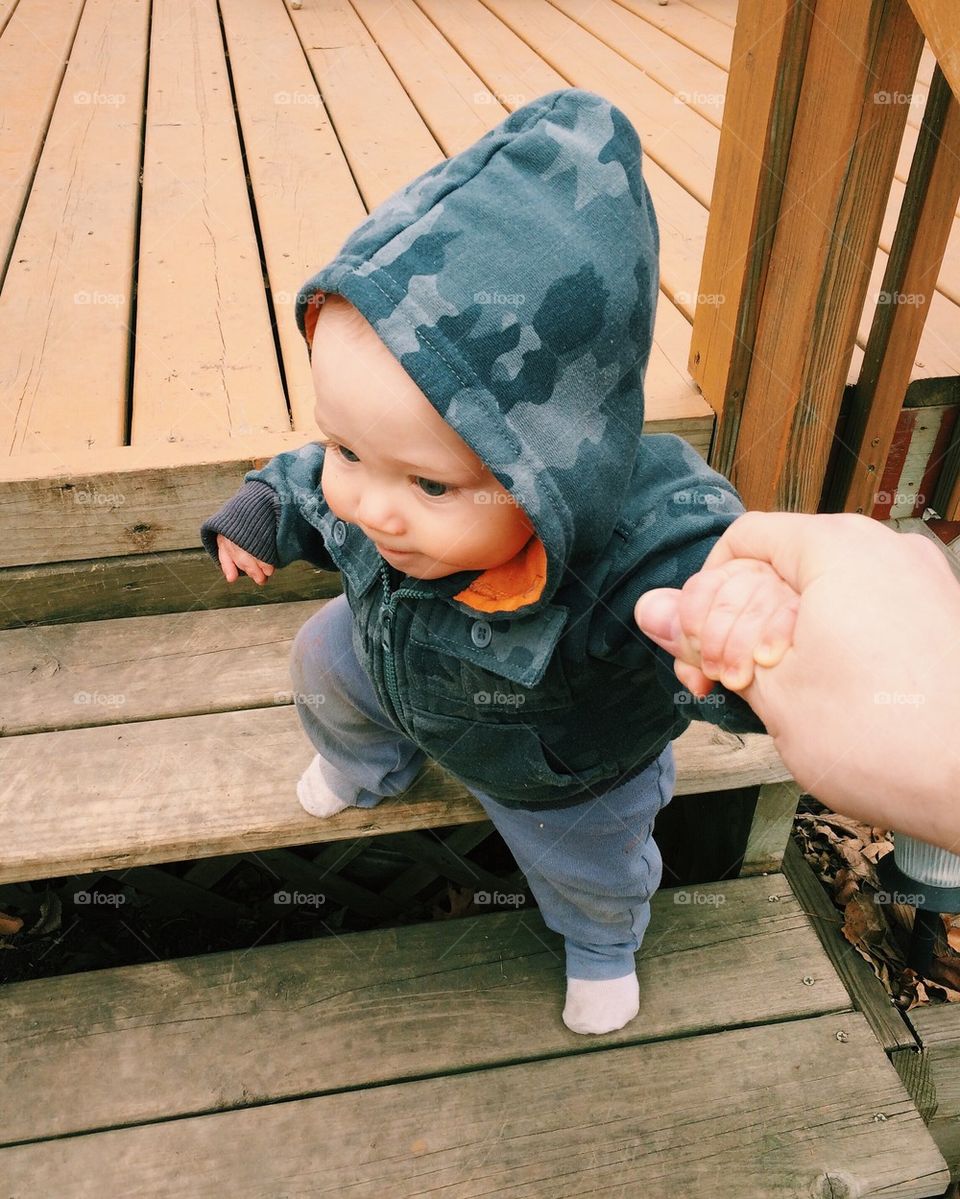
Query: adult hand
864, 706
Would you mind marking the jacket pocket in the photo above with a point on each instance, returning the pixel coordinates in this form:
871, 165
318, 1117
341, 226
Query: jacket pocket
504, 760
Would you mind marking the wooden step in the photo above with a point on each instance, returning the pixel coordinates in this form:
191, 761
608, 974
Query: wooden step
432, 1059
160, 738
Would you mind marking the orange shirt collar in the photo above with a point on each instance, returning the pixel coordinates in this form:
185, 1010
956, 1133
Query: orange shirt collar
512, 584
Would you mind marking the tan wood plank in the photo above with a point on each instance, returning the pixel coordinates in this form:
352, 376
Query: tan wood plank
869, 994
781, 1109
770, 828
383, 137
144, 585
897, 328
147, 667
690, 78
688, 154
938, 1027
330, 1013
938, 20
458, 107
697, 31
206, 363
6, 11
306, 199
66, 302
819, 264
129, 794
34, 47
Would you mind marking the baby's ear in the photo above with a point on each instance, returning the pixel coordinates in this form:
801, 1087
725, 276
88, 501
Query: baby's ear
312, 315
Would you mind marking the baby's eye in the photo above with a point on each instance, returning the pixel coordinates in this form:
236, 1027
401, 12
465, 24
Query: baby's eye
431, 483
344, 451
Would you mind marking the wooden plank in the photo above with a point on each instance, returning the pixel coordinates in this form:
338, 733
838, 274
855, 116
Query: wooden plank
66, 301
932, 195
841, 162
938, 20
34, 48
206, 363
709, 37
132, 500
770, 828
145, 585
690, 78
378, 1006
770, 45
514, 72
147, 667
938, 1028
118, 795
867, 992
457, 106
383, 137
787, 1110
306, 199
688, 155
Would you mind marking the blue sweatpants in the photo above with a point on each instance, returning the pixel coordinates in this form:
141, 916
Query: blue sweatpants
592, 867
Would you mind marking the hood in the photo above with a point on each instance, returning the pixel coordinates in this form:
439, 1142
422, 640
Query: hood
516, 283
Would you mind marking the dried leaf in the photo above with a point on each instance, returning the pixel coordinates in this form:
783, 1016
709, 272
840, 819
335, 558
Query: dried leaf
9, 924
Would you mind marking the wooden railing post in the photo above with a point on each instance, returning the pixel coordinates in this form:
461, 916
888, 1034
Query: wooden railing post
807, 299
926, 219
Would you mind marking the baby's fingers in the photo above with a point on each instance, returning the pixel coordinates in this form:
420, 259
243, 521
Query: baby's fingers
230, 572
777, 635
767, 618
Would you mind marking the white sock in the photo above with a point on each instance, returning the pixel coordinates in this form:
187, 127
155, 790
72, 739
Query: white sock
601, 1005
314, 793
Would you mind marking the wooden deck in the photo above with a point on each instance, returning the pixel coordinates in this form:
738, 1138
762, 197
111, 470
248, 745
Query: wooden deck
171, 173
160, 316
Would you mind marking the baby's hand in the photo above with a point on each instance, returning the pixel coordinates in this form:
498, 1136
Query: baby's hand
233, 556
736, 616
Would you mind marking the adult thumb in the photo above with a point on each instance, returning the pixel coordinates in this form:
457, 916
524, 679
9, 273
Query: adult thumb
657, 614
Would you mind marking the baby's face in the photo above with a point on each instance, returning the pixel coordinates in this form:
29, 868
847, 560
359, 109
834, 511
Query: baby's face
395, 468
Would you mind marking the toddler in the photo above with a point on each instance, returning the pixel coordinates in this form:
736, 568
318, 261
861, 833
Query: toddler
478, 349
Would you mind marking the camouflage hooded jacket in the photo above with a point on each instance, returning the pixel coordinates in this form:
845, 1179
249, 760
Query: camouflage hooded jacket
516, 283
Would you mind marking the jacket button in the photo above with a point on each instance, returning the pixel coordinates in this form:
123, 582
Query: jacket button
339, 532
480, 633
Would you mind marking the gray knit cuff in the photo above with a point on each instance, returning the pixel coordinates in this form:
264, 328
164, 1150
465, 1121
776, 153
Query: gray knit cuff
250, 518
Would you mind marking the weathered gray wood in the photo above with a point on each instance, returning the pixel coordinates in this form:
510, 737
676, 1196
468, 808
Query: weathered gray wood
148, 667
778, 1110
144, 584
866, 990
114, 796
770, 829
229, 1029
938, 1028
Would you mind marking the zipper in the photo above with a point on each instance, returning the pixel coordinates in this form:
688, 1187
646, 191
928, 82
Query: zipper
386, 616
